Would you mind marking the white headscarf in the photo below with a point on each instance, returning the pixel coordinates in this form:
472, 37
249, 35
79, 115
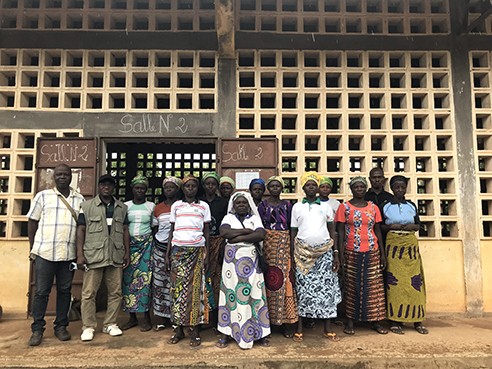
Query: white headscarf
252, 207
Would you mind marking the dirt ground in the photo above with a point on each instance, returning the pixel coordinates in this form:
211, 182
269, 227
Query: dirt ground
451, 343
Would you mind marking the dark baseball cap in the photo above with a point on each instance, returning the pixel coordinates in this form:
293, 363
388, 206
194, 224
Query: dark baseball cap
107, 178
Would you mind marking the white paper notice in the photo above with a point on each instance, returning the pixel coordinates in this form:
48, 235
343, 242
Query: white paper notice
243, 179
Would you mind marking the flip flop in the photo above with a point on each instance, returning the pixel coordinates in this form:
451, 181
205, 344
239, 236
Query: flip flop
264, 342
223, 343
331, 336
379, 328
174, 339
397, 329
421, 329
128, 325
159, 327
349, 330
146, 327
298, 337
286, 333
195, 341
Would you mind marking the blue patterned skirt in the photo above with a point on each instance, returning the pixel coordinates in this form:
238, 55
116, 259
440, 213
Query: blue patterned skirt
318, 291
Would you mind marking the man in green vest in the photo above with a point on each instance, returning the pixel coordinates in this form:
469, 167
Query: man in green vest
103, 250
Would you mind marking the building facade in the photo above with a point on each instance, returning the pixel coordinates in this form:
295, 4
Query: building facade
344, 85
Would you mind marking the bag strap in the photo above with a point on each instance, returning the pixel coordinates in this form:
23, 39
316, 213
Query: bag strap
62, 198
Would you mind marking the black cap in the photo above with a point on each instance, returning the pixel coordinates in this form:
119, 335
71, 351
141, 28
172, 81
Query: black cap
107, 178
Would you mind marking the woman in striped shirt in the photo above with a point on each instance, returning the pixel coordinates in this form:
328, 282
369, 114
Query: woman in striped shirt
189, 240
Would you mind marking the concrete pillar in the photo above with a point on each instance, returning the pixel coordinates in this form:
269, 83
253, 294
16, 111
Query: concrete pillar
226, 68
469, 204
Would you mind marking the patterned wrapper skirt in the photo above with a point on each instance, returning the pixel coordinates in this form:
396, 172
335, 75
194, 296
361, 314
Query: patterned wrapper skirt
405, 285
191, 290
161, 282
364, 286
243, 310
217, 245
281, 296
137, 277
318, 291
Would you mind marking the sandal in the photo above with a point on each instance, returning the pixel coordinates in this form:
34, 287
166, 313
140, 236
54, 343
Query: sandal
421, 329
397, 329
175, 339
349, 330
286, 332
298, 337
195, 341
160, 327
264, 342
145, 327
223, 343
379, 328
331, 336
129, 324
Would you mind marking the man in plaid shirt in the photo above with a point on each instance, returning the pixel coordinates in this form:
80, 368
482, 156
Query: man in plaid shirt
52, 230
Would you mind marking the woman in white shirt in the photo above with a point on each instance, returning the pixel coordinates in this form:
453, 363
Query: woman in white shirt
243, 310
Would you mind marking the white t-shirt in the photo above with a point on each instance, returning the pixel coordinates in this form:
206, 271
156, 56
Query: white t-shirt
188, 222
334, 204
251, 222
310, 219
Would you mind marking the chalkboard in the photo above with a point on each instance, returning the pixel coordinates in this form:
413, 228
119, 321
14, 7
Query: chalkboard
247, 155
78, 153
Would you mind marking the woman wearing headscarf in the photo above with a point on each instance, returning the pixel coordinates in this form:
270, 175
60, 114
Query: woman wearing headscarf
275, 215
218, 209
137, 277
360, 238
325, 186
257, 189
226, 187
161, 283
188, 261
405, 285
316, 257
243, 310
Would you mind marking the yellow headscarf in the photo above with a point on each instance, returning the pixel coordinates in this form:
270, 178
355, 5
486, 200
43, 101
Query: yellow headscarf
310, 176
275, 178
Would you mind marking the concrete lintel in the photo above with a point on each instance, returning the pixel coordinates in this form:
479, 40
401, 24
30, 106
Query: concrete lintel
311, 41
108, 40
469, 202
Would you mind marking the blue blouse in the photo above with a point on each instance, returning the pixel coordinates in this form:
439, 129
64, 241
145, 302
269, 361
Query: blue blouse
400, 213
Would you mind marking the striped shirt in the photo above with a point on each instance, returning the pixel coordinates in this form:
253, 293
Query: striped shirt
57, 230
162, 213
188, 222
141, 218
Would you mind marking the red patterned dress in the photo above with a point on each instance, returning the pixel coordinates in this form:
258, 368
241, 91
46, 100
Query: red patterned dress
281, 296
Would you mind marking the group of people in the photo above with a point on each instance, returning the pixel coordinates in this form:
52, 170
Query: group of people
236, 261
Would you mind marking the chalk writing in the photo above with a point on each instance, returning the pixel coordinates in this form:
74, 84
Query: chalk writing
239, 154
64, 152
152, 123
